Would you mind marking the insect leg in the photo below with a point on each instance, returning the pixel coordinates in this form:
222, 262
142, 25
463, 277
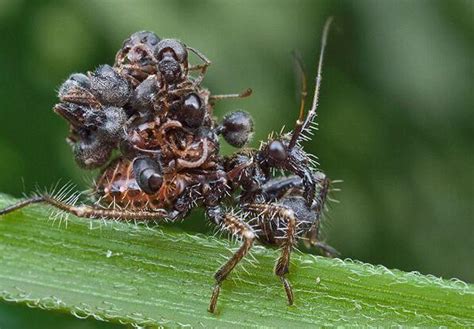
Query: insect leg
272, 211
238, 227
203, 67
276, 188
313, 183
246, 93
88, 211
326, 249
21, 204
324, 184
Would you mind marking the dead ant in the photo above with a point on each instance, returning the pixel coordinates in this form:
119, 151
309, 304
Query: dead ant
175, 164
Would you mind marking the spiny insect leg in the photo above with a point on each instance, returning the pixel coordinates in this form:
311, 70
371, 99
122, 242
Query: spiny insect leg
88, 211
271, 212
21, 204
238, 227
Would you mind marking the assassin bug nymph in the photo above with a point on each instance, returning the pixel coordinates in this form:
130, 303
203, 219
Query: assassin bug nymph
159, 118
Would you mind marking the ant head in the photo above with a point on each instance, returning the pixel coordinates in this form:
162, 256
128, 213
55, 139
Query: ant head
75, 80
136, 60
138, 50
172, 58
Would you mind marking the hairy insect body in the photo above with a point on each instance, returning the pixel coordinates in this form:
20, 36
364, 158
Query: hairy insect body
151, 111
118, 187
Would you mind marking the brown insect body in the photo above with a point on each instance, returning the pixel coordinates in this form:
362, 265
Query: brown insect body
117, 186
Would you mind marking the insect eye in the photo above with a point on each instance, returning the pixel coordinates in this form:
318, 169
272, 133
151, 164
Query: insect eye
277, 151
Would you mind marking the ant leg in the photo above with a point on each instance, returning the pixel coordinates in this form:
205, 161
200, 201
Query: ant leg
315, 187
235, 226
272, 211
202, 67
87, 211
246, 93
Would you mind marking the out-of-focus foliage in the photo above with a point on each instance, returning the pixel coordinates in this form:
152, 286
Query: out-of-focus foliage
396, 108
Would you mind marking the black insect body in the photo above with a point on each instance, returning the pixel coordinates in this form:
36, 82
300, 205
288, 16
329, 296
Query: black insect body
158, 119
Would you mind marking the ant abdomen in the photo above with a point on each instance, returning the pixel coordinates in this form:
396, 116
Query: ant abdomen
237, 128
109, 87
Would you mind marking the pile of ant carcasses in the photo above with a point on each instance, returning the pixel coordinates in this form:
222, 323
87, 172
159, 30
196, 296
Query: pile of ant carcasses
157, 117
148, 123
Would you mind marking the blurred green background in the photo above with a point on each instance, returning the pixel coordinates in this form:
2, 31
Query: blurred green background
396, 109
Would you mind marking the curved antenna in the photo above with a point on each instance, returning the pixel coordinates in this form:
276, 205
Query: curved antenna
304, 125
304, 93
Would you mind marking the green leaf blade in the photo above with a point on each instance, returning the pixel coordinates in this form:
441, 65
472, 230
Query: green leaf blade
152, 276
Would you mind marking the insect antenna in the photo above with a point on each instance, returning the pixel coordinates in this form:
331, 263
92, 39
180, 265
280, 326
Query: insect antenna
206, 61
303, 95
301, 125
